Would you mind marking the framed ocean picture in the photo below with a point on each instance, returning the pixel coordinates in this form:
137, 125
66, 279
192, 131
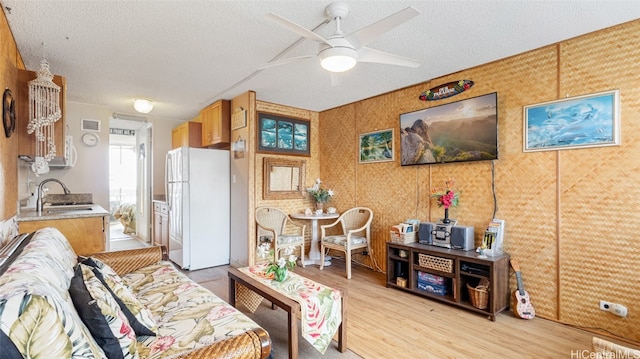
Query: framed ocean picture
376, 146
576, 122
284, 135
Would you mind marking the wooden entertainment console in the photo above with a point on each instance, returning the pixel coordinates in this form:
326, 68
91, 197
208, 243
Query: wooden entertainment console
458, 267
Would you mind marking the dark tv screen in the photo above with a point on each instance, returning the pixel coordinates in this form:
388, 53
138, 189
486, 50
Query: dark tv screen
460, 131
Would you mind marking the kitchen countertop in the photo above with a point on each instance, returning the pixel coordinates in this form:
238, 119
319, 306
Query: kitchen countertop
30, 214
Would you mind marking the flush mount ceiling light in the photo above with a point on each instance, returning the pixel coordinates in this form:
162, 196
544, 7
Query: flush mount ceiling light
339, 58
143, 105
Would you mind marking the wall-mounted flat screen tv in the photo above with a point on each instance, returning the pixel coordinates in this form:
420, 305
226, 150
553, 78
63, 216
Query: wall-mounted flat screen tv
459, 131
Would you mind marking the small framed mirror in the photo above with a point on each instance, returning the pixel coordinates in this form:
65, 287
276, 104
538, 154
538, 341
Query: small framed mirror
283, 179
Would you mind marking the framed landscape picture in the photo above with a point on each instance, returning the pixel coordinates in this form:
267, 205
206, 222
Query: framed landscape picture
284, 135
459, 131
376, 146
575, 122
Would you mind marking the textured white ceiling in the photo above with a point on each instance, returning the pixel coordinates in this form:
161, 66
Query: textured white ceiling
185, 55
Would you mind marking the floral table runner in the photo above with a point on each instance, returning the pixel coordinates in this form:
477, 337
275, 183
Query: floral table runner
321, 306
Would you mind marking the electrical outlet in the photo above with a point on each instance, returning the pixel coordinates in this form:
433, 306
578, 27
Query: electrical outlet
615, 308
365, 253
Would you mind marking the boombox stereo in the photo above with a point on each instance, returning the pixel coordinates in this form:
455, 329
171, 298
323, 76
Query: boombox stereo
448, 236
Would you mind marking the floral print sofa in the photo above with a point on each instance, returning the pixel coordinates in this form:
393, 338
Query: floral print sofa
124, 304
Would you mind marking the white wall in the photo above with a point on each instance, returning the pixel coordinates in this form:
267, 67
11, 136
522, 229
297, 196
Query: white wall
91, 172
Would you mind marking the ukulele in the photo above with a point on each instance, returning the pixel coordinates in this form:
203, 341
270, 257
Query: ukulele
522, 305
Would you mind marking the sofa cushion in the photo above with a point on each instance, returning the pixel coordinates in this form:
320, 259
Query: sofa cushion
40, 323
47, 258
189, 316
139, 316
9, 350
102, 315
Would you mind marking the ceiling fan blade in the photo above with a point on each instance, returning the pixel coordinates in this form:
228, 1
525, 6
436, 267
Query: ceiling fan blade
371, 32
367, 54
284, 61
292, 26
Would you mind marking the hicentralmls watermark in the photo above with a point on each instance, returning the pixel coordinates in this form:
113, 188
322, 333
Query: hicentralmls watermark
598, 354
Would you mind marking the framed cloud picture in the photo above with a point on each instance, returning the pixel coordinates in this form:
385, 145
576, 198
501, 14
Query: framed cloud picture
575, 122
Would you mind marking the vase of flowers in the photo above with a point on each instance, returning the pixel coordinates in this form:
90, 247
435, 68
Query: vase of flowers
281, 268
446, 197
320, 195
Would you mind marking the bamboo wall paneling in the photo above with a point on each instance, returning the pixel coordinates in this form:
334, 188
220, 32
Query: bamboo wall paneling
525, 186
312, 166
554, 202
600, 188
337, 163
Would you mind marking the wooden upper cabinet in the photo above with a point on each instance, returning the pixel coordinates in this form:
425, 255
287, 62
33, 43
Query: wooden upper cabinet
216, 125
188, 134
27, 142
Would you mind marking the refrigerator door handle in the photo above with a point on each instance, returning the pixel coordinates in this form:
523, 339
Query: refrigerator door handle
167, 163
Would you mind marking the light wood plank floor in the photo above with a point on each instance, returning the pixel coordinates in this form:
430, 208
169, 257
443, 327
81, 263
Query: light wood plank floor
388, 323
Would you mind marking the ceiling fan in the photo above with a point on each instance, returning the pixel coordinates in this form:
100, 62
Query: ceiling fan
339, 52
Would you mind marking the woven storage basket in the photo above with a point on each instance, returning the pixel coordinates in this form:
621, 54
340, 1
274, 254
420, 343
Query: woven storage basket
403, 238
480, 294
437, 263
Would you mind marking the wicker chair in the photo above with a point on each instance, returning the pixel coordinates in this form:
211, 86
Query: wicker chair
356, 234
272, 223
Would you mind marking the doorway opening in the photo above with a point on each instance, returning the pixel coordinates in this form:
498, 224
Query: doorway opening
129, 182
122, 190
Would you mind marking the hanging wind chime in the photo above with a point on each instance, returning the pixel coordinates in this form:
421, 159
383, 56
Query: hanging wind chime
44, 111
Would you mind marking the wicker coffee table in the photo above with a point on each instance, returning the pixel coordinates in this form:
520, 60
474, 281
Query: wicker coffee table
289, 305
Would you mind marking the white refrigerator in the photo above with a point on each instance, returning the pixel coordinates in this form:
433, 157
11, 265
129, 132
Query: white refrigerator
199, 199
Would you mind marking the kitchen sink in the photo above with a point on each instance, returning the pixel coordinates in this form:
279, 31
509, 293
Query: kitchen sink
68, 199
68, 204
67, 208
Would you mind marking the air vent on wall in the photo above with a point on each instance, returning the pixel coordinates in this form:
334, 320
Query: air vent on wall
90, 125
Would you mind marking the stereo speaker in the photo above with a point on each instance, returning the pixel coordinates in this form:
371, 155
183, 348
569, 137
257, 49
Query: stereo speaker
424, 232
462, 237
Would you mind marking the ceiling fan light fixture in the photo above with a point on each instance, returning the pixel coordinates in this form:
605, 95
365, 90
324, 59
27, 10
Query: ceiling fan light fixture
143, 105
338, 59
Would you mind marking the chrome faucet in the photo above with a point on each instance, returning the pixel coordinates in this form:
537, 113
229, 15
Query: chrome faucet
39, 200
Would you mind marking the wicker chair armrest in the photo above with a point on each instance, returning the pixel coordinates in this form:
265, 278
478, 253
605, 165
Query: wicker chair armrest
325, 226
129, 260
253, 344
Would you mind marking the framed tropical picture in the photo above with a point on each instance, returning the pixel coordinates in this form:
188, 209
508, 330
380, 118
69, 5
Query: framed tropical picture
575, 122
284, 135
376, 146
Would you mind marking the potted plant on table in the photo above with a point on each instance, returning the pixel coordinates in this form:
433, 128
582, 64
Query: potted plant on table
446, 197
320, 195
281, 267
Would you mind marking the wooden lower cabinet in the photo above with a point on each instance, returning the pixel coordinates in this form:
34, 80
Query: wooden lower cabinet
411, 266
86, 235
160, 224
